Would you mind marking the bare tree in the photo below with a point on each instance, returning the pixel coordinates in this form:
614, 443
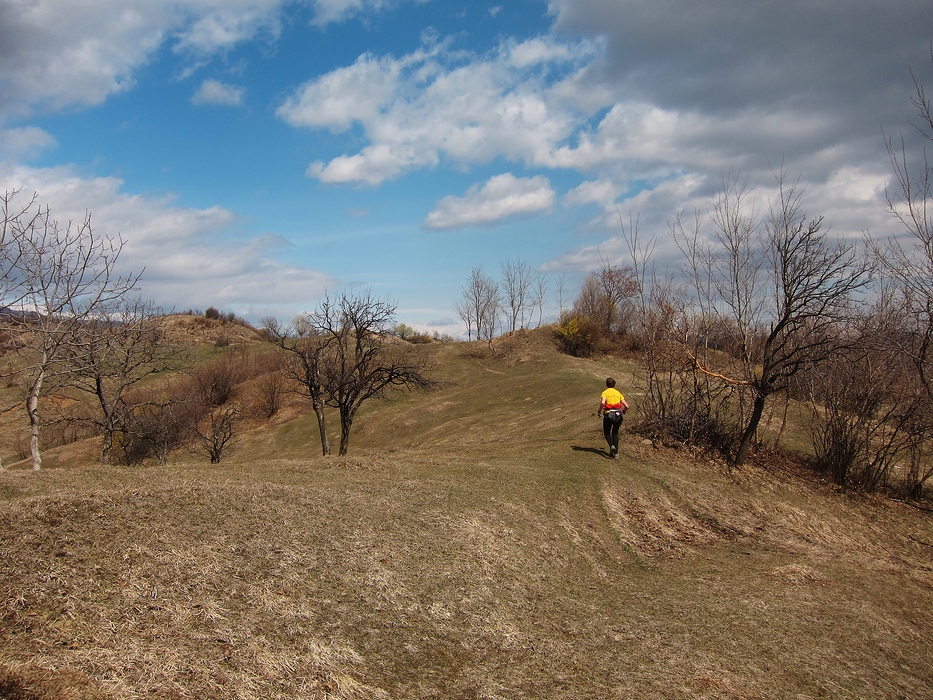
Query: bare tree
68, 279
910, 262
18, 216
359, 365
157, 420
215, 430
607, 297
540, 285
465, 312
307, 352
777, 285
516, 291
482, 301
115, 351
561, 283
907, 262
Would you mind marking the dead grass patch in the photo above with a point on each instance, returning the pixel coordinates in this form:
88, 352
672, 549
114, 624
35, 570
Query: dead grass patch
483, 549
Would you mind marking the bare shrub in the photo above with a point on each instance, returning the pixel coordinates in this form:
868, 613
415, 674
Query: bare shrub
865, 420
214, 431
270, 384
218, 382
155, 422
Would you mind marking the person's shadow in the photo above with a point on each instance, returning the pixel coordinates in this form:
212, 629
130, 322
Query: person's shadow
594, 450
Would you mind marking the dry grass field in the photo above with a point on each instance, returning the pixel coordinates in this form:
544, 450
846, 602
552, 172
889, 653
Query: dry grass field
477, 543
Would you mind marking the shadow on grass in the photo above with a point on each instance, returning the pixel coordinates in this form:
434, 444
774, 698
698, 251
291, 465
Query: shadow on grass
594, 450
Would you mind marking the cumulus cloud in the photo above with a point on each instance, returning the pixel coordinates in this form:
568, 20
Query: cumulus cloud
501, 197
190, 257
211, 25
346, 95
24, 142
61, 53
437, 103
214, 92
328, 11
603, 192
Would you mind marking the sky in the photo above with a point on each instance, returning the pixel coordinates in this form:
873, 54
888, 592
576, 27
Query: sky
254, 155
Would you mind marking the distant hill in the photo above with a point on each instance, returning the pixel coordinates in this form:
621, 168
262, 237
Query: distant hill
186, 329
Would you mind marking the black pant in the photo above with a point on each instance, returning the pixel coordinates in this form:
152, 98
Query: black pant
612, 420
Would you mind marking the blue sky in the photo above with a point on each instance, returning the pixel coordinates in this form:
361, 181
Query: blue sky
254, 153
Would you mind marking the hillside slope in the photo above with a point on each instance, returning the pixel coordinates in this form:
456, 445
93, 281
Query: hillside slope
477, 543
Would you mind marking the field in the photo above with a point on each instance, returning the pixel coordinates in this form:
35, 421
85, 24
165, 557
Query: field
476, 543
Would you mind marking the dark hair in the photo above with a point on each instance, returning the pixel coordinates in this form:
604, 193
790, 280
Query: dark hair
610, 382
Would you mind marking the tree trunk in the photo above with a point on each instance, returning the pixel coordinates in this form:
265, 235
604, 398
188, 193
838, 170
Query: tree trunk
100, 393
750, 430
32, 408
322, 427
346, 422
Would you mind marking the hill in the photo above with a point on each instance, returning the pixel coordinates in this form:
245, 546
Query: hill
477, 543
191, 330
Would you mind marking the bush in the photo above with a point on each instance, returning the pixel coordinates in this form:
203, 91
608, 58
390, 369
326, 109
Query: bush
577, 335
155, 424
212, 313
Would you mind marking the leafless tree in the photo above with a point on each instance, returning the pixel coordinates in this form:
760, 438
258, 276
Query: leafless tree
218, 382
307, 351
157, 420
114, 352
215, 430
16, 217
482, 301
777, 285
516, 292
68, 279
540, 284
869, 413
910, 262
19, 216
359, 365
907, 262
465, 312
561, 283
607, 297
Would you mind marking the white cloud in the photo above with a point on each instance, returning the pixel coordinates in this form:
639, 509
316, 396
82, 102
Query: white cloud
344, 96
436, 103
327, 11
212, 25
603, 192
59, 52
63, 53
502, 197
214, 92
24, 142
189, 256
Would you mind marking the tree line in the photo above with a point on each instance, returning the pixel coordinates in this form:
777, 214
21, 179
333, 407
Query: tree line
489, 307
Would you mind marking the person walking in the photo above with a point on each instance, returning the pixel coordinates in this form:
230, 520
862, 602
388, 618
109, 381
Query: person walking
612, 407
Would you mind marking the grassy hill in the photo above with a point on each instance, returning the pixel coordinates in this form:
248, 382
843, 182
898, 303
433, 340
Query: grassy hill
476, 543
